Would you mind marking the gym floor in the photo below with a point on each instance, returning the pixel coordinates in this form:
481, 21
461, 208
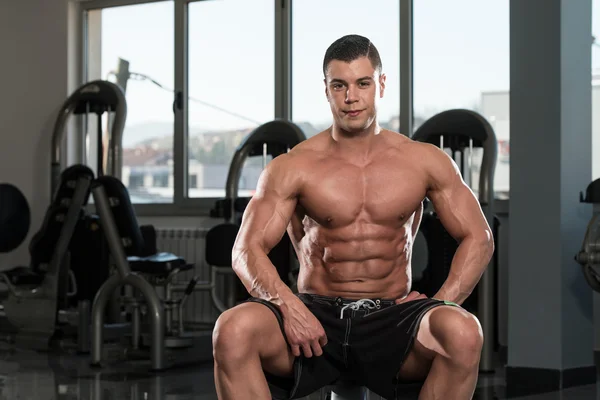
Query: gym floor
29, 375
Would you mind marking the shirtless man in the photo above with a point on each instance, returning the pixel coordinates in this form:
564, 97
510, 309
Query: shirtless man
350, 199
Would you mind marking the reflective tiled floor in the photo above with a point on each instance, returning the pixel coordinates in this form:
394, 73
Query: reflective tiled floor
30, 376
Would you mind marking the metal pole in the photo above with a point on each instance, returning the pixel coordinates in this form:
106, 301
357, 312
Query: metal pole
486, 292
122, 74
110, 228
112, 150
470, 162
346, 391
264, 156
155, 313
83, 327
406, 67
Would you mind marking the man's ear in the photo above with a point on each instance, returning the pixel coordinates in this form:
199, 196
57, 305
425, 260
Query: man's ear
382, 78
326, 89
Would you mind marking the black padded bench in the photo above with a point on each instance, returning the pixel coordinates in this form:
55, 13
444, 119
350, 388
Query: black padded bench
161, 264
139, 242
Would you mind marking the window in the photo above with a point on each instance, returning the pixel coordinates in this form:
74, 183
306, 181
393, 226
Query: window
199, 76
315, 25
596, 89
231, 85
160, 180
135, 179
461, 60
193, 183
146, 46
230, 88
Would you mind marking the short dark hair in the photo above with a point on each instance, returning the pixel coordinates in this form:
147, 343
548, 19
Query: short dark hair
351, 47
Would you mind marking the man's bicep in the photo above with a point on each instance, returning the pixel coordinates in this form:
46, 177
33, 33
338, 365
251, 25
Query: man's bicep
265, 221
460, 212
270, 210
454, 202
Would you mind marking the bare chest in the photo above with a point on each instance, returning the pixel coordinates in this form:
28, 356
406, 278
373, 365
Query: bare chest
382, 193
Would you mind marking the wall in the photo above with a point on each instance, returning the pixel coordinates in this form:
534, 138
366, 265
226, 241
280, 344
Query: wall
596, 127
33, 71
549, 305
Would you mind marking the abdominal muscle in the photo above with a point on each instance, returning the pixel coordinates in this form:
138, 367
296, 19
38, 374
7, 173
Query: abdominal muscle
374, 265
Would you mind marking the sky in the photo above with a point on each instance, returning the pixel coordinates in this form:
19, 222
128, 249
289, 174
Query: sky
461, 49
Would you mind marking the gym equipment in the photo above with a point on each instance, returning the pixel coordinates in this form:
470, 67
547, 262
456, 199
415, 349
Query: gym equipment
219, 244
97, 236
15, 217
462, 131
96, 97
589, 255
142, 268
272, 138
51, 298
348, 391
38, 291
588, 258
89, 254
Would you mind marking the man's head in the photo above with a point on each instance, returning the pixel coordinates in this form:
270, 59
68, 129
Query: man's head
349, 48
353, 82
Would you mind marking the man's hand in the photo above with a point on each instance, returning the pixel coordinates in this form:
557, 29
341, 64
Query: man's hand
303, 330
414, 295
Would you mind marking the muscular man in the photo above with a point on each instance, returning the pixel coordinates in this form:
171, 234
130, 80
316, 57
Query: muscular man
351, 200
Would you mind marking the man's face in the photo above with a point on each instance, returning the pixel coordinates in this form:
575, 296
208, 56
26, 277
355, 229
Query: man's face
352, 90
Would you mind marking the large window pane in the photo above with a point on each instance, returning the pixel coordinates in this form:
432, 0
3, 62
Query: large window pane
143, 36
231, 87
461, 60
596, 89
316, 24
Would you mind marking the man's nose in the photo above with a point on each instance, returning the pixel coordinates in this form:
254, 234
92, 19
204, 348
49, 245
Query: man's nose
351, 94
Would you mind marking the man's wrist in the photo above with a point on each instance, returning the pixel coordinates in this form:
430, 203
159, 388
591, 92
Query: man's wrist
444, 295
285, 301
447, 297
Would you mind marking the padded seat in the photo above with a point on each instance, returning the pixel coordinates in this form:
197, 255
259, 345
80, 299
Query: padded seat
219, 244
23, 276
158, 264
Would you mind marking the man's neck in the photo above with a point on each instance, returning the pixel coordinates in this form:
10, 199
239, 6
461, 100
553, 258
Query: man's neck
355, 144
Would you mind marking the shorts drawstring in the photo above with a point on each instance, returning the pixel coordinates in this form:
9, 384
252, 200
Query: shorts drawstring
356, 305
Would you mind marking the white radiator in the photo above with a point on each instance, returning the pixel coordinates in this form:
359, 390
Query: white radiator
189, 244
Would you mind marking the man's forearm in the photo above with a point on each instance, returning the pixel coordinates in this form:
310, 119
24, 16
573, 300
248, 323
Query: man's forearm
260, 277
468, 265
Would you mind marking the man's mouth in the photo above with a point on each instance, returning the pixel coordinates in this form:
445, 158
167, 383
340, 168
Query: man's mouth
353, 113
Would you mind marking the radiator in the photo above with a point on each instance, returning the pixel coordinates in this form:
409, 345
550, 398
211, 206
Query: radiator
189, 244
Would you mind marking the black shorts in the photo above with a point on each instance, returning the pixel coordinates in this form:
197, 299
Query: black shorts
366, 344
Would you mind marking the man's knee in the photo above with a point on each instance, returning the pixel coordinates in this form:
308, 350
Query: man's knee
232, 335
459, 334
246, 331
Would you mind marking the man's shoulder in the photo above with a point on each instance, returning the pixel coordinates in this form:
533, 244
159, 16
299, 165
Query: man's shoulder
291, 163
308, 149
317, 140
412, 147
